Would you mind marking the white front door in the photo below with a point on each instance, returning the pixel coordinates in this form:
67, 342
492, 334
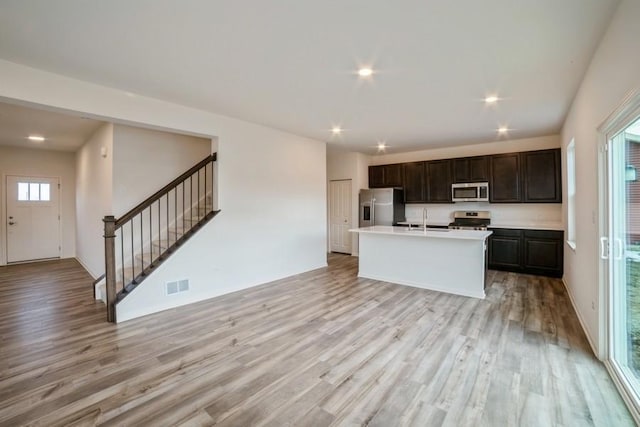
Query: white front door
33, 218
340, 215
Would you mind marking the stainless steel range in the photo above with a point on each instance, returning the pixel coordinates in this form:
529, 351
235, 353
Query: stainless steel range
470, 220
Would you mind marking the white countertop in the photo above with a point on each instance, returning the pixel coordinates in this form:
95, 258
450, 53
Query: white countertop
552, 226
434, 233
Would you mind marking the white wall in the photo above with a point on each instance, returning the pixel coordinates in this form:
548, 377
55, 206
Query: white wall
31, 162
150, 159
495, 147
614, 72
272, 186
269, 226
353, 166
94, 197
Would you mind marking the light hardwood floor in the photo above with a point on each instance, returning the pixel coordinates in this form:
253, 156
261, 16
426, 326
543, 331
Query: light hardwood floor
322, 348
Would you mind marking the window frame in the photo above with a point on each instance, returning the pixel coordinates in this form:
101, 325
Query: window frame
571, 194
30, 195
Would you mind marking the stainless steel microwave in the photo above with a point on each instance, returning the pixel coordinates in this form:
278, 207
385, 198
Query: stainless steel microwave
470, 192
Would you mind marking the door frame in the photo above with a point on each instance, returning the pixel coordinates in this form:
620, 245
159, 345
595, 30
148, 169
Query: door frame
329, 212
617, 121
4, 195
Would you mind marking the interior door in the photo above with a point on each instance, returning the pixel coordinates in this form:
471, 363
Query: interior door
33, 218
340, 215
620, 248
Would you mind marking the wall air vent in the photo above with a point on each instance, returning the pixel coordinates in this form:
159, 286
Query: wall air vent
177, 287
172, 288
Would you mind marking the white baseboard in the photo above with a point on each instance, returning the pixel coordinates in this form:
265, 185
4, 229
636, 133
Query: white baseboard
87, 269
628, 400
594, 348
100, 291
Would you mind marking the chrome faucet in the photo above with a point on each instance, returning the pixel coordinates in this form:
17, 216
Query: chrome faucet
424, 218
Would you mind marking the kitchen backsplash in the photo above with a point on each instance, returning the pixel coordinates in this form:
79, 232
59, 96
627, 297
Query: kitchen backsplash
501, 214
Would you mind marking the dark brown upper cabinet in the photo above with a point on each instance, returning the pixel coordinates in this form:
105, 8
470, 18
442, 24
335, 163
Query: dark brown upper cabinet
541, 176
414, 182
471, 169
393, 175
504, 178
385, 176
529, 177
439, 176
376, 176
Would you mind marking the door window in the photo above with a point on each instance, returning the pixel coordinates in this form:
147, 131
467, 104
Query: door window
34, 192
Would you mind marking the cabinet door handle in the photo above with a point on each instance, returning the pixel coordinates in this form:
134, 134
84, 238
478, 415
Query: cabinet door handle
604, 247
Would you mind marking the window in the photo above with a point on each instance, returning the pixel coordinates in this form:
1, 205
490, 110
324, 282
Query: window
571, 196
34, 191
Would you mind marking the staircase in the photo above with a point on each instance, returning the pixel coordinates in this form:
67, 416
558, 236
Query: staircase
146, 236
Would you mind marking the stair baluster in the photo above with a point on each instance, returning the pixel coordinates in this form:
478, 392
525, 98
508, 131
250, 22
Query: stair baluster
129, 261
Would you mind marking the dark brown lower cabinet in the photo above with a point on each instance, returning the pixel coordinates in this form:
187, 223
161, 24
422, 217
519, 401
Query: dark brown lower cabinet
505, 250
543, 252
527, 251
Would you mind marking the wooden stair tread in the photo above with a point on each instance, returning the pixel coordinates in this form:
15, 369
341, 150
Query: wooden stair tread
162, 244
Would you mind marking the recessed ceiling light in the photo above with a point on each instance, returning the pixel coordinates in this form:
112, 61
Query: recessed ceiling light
503, 129
382, 146
492, 99
36, 138
336, 130
365, 72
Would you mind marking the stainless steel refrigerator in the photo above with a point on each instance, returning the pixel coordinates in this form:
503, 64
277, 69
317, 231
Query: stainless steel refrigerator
381, 206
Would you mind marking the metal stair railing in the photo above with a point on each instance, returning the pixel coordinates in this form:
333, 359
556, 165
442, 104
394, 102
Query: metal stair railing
143, 238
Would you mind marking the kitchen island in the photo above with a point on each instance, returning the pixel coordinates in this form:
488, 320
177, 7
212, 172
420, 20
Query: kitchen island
444, 260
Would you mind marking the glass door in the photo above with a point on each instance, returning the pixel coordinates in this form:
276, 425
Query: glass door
621, 247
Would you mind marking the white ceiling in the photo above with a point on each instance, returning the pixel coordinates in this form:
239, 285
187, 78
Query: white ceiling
290, 64
62, 132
